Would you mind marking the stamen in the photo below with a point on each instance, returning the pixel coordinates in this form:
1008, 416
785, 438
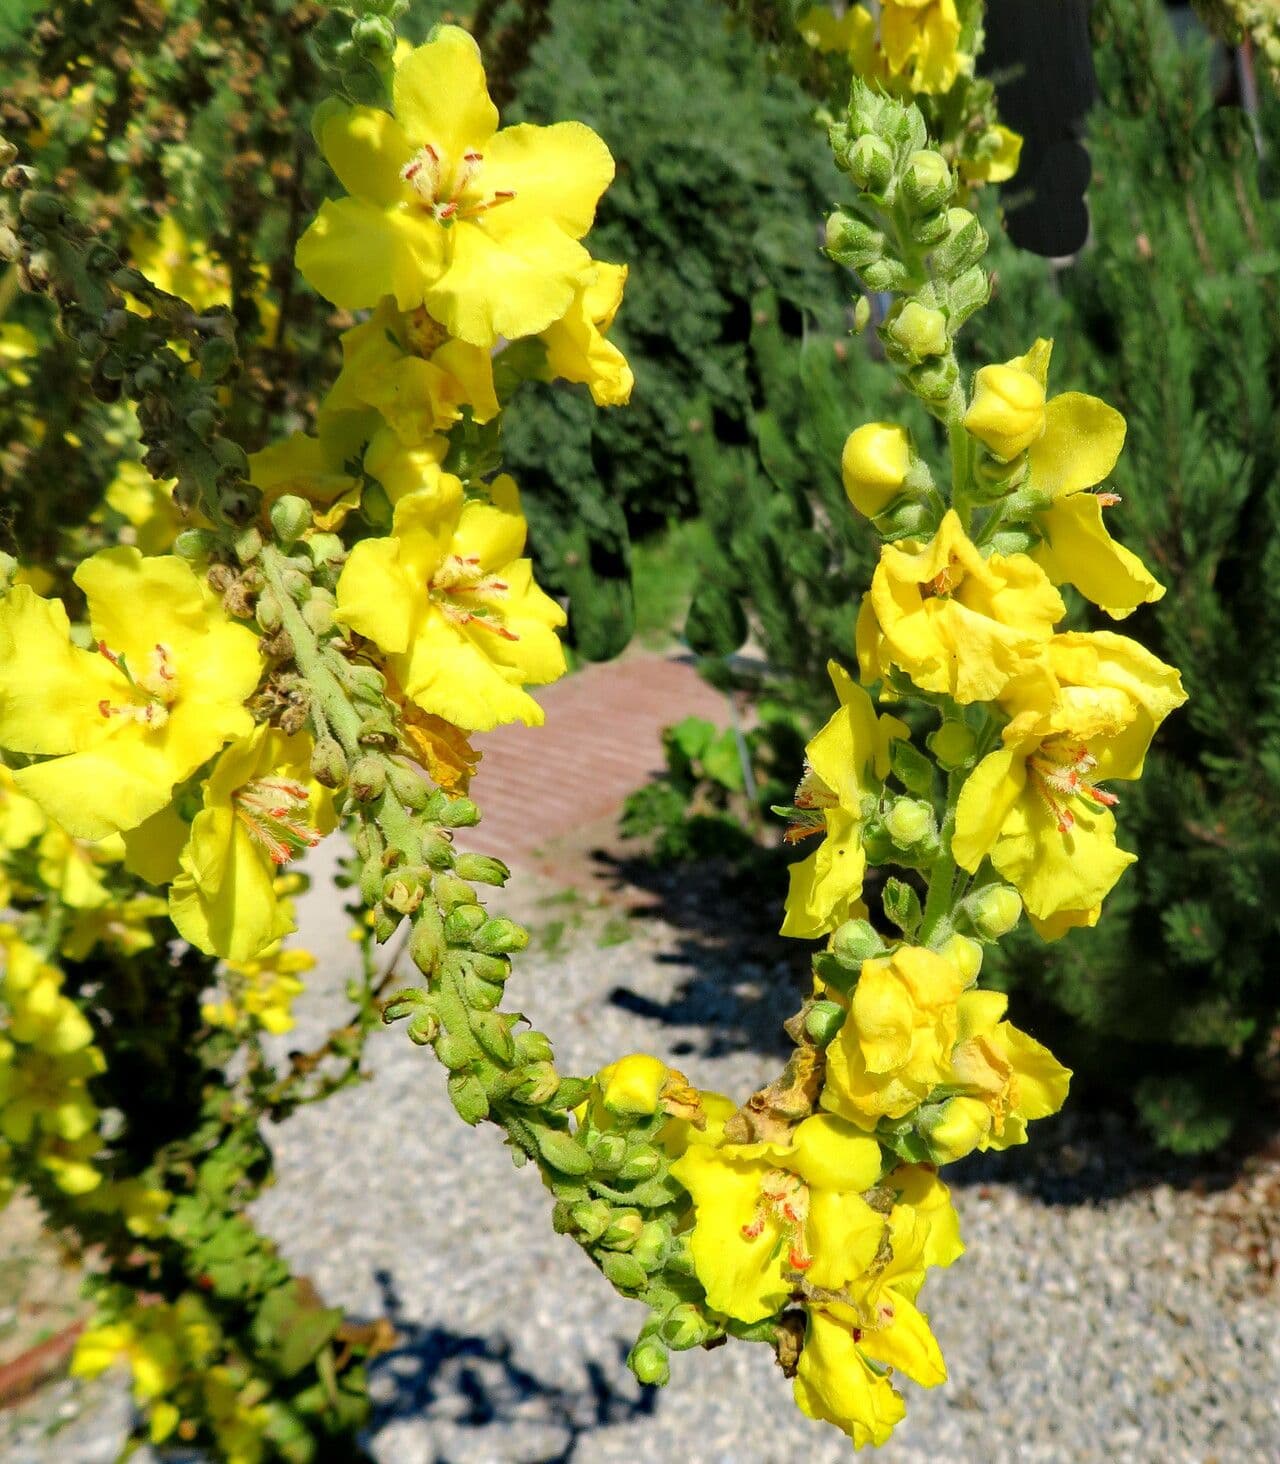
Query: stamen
272, 810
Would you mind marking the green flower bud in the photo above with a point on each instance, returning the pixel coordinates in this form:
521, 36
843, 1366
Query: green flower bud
861, 314
909, 822
932, 382
481, 994
684, 1327
326, 549
607, 1150
590, 1218
482, 869
969, 292
995, 911
623, 1271
539, 1085
964, 245
460, 813
917, 331
408, 786
320, 612
405, 1003
852, 242
869, 162
195, 545
562, 1151
367, 779
403, 889
927, 182
533, 1047
823, 1020
650, 1248
854, 942
438, 851
624, 1230
490, 968
649, 1361
291, 516
493, 1032
642, 1163
423, 1029
385, 924
462, 922
426, 944
375, 37
885, 274
248, 545
496, 937
953, 744
266, 610
466, 1093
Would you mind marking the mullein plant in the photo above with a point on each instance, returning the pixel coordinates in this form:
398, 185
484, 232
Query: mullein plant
355, 602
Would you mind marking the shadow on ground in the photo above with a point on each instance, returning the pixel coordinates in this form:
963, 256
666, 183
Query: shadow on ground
468, 1381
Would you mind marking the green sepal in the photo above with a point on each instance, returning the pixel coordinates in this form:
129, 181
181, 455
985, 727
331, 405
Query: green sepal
902, 906
562, 1151
911, 768
466, 1093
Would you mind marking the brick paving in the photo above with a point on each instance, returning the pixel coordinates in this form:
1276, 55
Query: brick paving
602, 739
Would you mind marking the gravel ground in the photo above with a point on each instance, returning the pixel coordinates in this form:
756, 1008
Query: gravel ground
1097, 1315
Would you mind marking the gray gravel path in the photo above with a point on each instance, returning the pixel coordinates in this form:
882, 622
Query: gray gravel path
1114, 1330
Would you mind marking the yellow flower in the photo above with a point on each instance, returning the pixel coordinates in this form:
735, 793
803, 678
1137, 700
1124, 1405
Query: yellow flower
262, 992
454, 609
310, 468
576, 346
121, 727
440, 748
404, 470
1034, 805
874, 466
955, 622
70, 1162
72, 867
769, 1214
852, 35
921, 43
406, 370
896, 1042
1003, 1080
996, 160
259, 812
1007, 413
844, 764
853, 1343
40, 1015
45, 1092
21, 820
480, 226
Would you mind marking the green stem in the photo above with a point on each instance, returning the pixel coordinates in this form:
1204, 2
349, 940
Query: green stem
936, 924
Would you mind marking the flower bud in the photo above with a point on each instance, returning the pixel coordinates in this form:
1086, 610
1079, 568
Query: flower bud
497, 937
854, 942
956, 1128
918, 331
852, 242
624, 1230
267, 610
649, 1362
964, 245
874, 465
607, 1151
953, 744
367, 779
869, 162
460, 813
426, 944
482, 869
633, 1085
437, 851
885, 274
423, 1029
933, 380
823, 1020
385, 924
290, 518
538, 1085
1007, 411
642, 1163
964, 954
326, 549
320, 612
684, 1326
493, 1032
909, 821
466, 1093
590, 1218
927, 182
995, 911
408, 786
195, 545
533, 1047
861, 314
623, 1271
403, 889
462, 922
650, 1248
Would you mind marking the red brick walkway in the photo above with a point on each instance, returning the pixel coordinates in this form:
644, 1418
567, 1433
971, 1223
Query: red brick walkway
601, 740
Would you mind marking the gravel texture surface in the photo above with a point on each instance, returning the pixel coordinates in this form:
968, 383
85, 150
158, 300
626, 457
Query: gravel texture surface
1097, 1315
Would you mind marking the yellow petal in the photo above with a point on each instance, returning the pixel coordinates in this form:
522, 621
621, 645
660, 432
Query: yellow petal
986, 799
907, 1344
1078, 550
366, 148
375, 597
49, 688
441, 97
1056, 871
835, 1383
1082, 440
355, 252
557, 173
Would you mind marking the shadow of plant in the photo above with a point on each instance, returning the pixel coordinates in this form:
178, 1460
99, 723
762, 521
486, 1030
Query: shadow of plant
473, 1382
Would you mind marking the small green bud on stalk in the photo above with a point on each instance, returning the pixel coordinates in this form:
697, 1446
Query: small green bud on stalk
297, 585
642, 1163
385, 924
482, 869
624, 1230
563, 1152
291, 517
910, 822
607, 1151
405, 1004
623, 1271
493, 1033
650, 1248
964, 245
885, 274
497, 937
378, 730
438, 851
374, 37
590, 1218
320, 612
426, 943
462, 922
405, 888
930, 229
854, 942
927, 182
650, 1363
267, 610
459, 813
423, 1029
538, 1086
823, 1020
533, 1047
852, 242
466, 1093
326, 549
408, 786
995, 911
195, 545
248, 545
917, 332
869, 162
481, 994
452, 1052
932, 381
367, 779
861, 314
